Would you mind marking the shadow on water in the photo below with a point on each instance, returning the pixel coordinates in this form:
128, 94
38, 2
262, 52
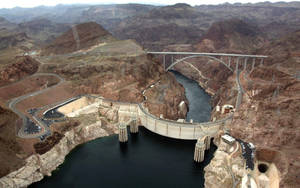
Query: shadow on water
123, 149
134, 138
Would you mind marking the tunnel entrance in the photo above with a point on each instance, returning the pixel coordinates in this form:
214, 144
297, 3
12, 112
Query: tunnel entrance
262, 167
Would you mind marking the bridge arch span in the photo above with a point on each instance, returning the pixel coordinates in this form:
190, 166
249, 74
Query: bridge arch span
194, 56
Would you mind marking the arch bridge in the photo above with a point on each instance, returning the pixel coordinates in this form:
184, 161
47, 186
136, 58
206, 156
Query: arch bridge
170, 59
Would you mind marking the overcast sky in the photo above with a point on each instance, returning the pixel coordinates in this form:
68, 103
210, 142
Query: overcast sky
33, 3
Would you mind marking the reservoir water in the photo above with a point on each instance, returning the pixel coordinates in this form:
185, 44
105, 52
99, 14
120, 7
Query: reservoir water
147, 160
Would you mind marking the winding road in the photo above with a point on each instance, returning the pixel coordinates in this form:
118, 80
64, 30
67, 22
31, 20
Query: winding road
13, 102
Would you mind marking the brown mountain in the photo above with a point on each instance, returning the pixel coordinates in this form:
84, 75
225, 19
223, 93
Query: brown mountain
231, 35
8, 39
163, 26
13, 43
285, 52
10, 36
79, 37
6, 24
43, 30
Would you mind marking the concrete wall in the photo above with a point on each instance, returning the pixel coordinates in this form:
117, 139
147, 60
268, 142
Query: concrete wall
178, 130
127, 111
168, 128
73, 106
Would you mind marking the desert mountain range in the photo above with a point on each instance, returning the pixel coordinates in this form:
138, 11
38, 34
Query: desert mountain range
100, 49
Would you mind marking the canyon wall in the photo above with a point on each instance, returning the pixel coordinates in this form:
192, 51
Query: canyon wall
37, 166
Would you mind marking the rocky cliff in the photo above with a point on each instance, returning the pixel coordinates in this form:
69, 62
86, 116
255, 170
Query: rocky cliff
268, 116
226, 168
11, 150
38, 165
23, 66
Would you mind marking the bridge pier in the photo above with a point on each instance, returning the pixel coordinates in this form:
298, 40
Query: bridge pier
229, 61
261, 61
164, 61
253, 64
134, 127
199, 151
207, 142
245, 63
123, 137
237, 64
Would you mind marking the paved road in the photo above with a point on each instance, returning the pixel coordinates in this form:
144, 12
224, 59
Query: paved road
16, 100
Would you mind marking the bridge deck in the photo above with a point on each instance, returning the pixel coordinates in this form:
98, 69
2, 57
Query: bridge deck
207, 54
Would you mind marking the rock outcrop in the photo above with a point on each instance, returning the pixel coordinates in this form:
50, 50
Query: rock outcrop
268, 116
23, 66
37, 166
10, 149
226, 169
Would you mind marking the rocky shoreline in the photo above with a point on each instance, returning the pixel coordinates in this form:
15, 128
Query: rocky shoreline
37, 166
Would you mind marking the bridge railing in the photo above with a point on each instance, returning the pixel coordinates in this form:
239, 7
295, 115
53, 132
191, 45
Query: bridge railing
207, 54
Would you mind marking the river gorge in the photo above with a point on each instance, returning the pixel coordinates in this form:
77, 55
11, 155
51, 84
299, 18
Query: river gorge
147, 160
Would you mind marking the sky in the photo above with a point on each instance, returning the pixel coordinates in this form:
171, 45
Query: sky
33, 3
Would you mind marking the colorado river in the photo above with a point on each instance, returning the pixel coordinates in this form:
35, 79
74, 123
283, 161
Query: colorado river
147, 160
199, 107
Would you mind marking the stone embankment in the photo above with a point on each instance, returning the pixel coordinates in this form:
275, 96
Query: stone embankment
37, 166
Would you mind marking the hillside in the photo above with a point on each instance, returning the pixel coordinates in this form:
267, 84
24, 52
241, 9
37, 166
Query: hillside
163, 26
187, 24
42, 31
79, 37
285, 52
231, 35
149, 24
20, 68
6, 24
275, 123
11, 152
